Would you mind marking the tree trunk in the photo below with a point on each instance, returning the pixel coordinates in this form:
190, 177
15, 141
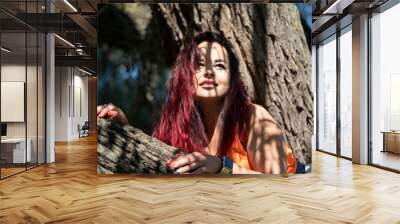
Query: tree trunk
275, 61
128, 150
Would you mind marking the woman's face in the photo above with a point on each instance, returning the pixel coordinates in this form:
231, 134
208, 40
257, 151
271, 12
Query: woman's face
212, 76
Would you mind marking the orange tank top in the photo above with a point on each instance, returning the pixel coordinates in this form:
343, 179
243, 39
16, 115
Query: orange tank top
238, 154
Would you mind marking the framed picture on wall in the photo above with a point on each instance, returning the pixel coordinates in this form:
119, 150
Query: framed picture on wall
216, 88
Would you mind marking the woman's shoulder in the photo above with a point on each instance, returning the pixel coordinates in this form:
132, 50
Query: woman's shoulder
259, 112
261, 120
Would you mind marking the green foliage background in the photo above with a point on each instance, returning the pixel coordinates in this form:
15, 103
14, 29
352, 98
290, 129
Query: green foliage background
132, 68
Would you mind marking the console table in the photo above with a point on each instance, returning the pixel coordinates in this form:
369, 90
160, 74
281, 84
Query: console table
391, 141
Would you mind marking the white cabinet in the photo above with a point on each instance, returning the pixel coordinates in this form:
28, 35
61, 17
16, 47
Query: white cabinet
17, 147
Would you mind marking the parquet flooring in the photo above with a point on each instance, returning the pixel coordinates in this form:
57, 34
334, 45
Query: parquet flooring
70, 191
9, 171
386, 159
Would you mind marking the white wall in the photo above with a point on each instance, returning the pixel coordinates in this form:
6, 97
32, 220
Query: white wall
12, 73
71, 94
33, 127
81, 104
16, 73
61, 103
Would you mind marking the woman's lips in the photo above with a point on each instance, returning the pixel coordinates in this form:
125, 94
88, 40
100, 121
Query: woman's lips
208, 83
208, 87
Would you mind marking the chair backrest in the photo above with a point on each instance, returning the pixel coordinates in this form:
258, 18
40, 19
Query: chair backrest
86, 125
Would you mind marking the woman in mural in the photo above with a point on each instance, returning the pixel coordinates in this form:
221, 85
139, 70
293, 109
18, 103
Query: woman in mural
208, 114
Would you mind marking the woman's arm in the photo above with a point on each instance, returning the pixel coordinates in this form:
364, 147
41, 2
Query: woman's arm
237, 169
265, 143
196, 163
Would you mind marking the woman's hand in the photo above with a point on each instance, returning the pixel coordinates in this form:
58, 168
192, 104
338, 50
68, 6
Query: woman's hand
196, 163
237, 169
113, 112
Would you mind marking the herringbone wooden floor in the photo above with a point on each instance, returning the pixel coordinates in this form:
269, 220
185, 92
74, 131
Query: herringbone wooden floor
70, 191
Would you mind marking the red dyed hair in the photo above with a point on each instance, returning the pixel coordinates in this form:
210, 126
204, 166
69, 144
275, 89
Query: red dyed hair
181, 122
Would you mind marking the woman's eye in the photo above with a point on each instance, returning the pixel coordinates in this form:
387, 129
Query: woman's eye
220, 66
201, 64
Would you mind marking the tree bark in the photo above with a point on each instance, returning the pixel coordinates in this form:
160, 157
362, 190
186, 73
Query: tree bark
275, 61
125, 149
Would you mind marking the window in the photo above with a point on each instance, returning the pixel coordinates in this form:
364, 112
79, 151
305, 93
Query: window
22, 74
327, 95
385, 88
346, 92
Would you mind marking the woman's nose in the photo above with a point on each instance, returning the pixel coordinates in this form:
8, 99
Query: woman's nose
209, 72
